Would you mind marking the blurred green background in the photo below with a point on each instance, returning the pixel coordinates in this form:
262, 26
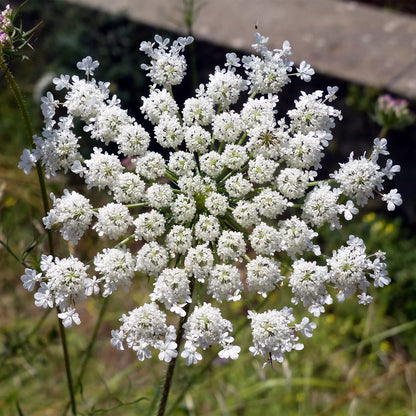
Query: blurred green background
360, 361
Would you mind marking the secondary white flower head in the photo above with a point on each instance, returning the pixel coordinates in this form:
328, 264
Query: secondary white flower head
113, 220
117, 267
172, 289
72, 213
273, 333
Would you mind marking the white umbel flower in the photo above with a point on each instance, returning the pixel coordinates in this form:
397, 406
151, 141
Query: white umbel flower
67, 282
224, 282
211, 164
321, 206
152, 258
237, 186
264, 239
308, 283
207, 228
198, 111
206, 327
168, 132
149, 225
142, 328
128, 188
183, 209
216, 204
231, 245
179, 239
199, 261
113, 220
231, 205
246, 213
227, 127
359, 179
151, 166
116, 266
133, 140
181, 163
159, 195
102, 170
295, 237
270, 203
273, 333
72, 212
292, 182
158, 103
172, 289
263, 275
261, 170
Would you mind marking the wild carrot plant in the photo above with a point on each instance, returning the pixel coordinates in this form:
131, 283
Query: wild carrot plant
222, 200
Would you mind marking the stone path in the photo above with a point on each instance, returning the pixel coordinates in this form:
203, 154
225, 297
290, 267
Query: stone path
351, 41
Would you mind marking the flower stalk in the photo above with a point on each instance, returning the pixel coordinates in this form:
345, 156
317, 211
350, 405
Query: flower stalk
42, 184
171, 367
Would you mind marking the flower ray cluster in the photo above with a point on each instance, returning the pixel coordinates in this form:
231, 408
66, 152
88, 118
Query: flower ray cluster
229, 213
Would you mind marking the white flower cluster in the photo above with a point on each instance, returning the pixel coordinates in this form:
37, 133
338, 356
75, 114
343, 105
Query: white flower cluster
229, 212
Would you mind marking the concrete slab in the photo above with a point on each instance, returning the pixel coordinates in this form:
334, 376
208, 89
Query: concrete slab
351, 41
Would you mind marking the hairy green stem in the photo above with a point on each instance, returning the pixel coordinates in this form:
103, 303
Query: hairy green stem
171, 368
383, 132
67, 366
22, 107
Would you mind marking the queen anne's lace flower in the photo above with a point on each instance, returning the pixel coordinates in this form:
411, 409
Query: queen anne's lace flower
295, 237
172, 289
159, 195
211, 164
152, 258
133, 140
181, 163
227, 127
224, 282
102, 170
158, 103
113, 220
72, 212
128, 188
151, 166
142, 328
231, 245
205, 327
179, 239
198, 110
116, 266
359, 178
168, 132
149, 225
246, 213
67, 283
207, 228
321, 206
308, 282
292, 182
228, 209
273, 333
263, 275
57, 148
199, 261
270, 203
